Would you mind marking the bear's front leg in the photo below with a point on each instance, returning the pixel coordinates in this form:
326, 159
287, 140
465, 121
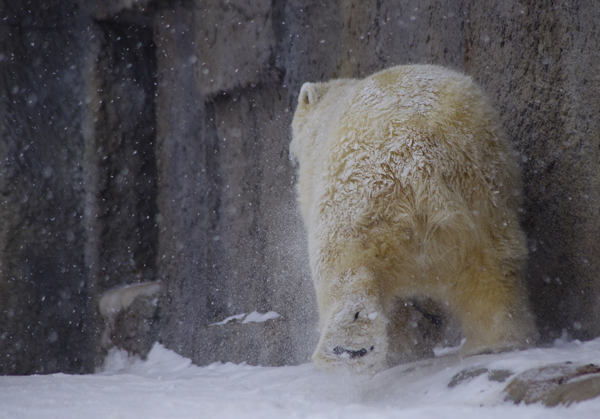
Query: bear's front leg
353, 324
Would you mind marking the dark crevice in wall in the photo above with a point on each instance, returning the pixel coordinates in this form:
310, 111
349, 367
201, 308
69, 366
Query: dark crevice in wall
126, 133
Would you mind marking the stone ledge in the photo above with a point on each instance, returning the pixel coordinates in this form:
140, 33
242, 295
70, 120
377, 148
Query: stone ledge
555, 384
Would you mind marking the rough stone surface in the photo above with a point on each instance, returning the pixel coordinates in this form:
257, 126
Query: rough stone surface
223, 160
134, 329
46, 323
145, 140
125, 191
254, 343
471, 373
536, 60
184, 150
556, 384
233, 45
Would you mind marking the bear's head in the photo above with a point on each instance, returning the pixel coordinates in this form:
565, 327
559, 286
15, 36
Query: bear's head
318, 105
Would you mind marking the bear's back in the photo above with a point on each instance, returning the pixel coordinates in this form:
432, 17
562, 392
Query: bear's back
420, 128
415, 148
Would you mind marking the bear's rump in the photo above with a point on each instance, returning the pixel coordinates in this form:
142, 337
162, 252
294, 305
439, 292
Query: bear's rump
408, 237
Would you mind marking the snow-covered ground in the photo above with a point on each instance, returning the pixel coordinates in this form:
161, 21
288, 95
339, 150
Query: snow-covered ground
167, 385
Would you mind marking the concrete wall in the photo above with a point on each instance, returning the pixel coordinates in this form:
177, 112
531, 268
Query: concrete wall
168, 161
46, 318
537, 61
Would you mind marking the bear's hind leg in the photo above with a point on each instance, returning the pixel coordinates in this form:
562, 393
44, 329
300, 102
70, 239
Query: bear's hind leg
493, 311
353, 324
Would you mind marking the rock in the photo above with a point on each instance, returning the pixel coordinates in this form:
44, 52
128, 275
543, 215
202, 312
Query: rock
130, 314
470, 373
563, 383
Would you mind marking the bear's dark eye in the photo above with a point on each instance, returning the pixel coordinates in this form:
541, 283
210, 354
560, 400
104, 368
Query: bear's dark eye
356, 315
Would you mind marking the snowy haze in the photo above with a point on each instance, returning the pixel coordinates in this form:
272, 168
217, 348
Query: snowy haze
167, 385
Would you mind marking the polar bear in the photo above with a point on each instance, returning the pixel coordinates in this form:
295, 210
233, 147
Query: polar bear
408, 189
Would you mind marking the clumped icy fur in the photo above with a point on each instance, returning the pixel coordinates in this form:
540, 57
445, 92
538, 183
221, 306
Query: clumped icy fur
408, 189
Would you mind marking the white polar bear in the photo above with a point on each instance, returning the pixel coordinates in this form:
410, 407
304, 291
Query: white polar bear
408, 189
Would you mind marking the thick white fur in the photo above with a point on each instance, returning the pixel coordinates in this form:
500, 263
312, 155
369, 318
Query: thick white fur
408, 189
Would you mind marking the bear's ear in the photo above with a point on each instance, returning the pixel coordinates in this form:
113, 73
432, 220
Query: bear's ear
311, 93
